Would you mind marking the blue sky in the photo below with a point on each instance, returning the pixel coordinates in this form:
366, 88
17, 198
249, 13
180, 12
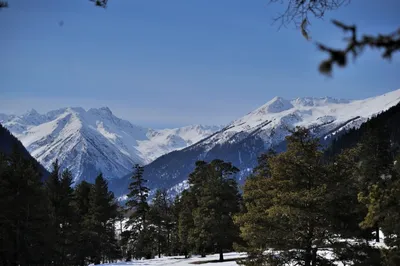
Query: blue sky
167, 63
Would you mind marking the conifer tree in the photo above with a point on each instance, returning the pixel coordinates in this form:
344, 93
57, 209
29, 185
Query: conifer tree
101, 220
53, 190
218, 199
24, 213
293, 205
82, 248
254, 224
160, 218
383, 203
176, 245
185, 221
376, 165
138, 237
66, 218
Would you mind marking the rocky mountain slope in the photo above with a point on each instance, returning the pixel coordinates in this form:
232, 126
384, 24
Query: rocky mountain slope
95, 140
242, 141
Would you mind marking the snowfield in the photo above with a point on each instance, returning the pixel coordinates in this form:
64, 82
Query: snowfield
181, 261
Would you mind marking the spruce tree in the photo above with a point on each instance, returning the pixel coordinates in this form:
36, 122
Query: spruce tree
160, 218
53, 190
138, 236
67, 218
82, 246
100, 221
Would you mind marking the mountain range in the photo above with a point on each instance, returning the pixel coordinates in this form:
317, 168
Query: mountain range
243, 140
95, 140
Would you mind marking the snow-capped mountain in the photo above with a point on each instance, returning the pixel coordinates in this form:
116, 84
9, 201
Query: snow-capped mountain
93, 141
242, 141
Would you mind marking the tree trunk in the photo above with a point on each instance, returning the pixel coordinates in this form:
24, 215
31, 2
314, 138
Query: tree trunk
159, 244
314, 257
221, 255
307, 257
377, 234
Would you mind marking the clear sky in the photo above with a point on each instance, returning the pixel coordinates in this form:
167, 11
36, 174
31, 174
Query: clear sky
167, 63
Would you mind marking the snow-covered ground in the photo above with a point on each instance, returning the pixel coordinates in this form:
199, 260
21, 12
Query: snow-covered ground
211, 259
181, 261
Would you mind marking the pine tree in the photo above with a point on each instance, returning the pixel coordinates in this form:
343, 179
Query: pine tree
255, 225
138, 237
100, 221
176, 245
160, 218
66, 217
383, 203
376, 164
293, 203
53, 190
185, 221
82, 246
218, 199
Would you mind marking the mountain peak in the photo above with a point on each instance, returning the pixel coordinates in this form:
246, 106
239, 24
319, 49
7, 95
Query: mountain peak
102, 110
31, 112
276, 105
106, 110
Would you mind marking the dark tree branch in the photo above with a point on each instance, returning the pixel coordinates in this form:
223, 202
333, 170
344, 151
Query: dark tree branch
389, 43
100, 3
3, 4
298, 12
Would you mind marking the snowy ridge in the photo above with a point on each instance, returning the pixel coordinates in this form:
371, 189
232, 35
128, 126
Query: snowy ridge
272, 120
93, 141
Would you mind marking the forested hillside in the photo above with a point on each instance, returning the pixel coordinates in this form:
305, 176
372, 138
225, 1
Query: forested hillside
388, 121
8, 143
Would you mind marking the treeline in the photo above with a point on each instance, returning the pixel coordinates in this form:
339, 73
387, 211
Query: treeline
305, 206
199, 221
51, 223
